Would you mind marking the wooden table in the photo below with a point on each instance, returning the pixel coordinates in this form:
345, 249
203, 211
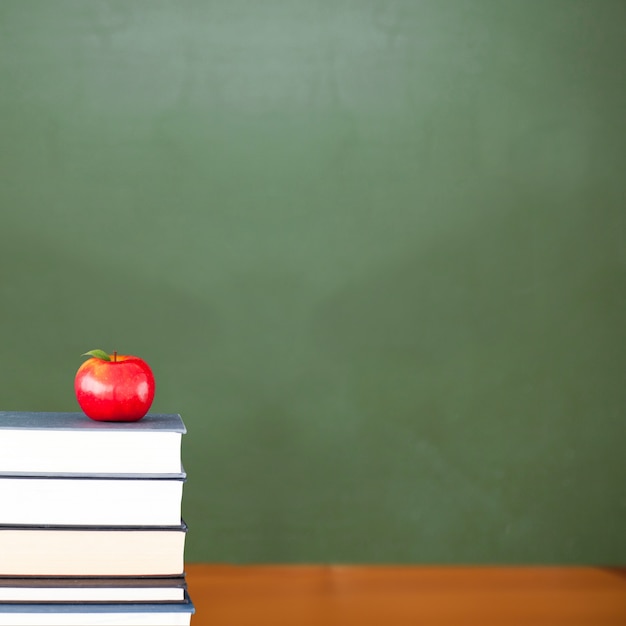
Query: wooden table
403, 596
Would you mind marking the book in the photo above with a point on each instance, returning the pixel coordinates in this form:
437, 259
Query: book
145, 589
84, 614
91, 501
57, 443
92, 551
90, 521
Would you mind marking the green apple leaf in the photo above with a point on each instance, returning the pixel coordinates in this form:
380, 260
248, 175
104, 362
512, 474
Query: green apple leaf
98, 354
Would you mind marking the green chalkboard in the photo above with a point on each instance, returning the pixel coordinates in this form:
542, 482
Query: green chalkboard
373, 250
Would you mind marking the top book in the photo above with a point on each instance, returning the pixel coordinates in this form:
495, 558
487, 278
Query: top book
71, 443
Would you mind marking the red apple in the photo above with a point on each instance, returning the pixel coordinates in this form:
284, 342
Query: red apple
114, 387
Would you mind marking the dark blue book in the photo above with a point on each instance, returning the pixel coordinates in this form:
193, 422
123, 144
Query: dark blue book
71, 443
105, 614
29, 589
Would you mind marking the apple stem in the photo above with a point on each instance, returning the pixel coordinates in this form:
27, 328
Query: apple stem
114, 356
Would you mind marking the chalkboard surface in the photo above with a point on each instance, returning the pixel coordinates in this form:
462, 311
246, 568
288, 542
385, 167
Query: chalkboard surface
374, 252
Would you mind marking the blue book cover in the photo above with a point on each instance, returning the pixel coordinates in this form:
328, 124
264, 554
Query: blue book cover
17, 420
97, 614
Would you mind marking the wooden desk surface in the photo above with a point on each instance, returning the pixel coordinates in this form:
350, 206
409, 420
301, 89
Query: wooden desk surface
403, 596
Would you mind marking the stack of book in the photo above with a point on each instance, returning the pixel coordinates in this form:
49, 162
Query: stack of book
90, 521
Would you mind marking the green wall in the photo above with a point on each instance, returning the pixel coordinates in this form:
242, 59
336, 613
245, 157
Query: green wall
373, 250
